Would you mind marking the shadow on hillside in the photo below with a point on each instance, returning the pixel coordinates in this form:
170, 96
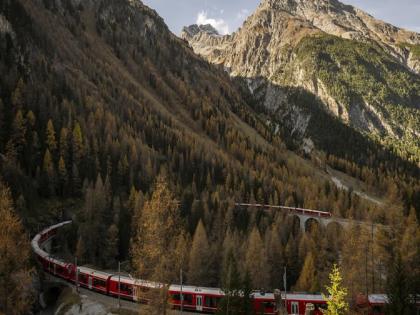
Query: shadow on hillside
328, 132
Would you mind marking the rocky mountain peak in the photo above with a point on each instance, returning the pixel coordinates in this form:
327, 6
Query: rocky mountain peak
194, 29
285, 41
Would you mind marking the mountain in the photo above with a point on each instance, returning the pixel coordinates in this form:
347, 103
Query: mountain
363, 71
102, 92
98, 99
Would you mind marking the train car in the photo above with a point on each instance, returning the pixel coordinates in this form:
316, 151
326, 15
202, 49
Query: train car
296, 303
195, 298
131, 289
93, 279
375, 304
126, 290
264, 303
58, 268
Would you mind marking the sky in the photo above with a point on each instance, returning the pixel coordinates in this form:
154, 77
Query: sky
228, 15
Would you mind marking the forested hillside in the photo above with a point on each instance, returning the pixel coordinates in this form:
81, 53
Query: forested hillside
98, 98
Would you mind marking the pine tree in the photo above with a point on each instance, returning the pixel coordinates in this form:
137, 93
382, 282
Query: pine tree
336, 299
110, 253
49, 172
403, 267
15, 271
3, 134
17, 96
200, 259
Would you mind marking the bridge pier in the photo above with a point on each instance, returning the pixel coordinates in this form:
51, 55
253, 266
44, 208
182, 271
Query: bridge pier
324, 222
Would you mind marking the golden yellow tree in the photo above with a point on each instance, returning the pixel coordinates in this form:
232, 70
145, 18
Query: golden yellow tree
156, 254
15, 270
336, 301
200, 257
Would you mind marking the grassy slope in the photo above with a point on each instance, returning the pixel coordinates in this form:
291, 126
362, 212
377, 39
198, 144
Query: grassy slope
356, 72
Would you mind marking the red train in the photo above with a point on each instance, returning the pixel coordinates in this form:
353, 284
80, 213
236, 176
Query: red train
198, 299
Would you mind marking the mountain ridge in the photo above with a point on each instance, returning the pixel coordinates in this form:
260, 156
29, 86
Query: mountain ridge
269, 46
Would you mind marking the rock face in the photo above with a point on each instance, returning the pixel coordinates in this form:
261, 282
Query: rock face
268, 51
192, 30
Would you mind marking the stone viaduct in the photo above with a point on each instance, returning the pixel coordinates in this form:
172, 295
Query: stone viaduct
306, 216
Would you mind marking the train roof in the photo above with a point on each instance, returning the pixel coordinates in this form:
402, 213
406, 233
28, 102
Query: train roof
304, 297
378, 298
94, 272
53, 227
36, 248
138, 282
194, 289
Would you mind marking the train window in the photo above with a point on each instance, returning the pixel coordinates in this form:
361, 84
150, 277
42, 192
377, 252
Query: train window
210, 301
126, 288
99, 283
176, 297
269, 305
83, 278
188, 298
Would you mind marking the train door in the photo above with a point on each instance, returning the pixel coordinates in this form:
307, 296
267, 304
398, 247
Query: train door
295, 308
199, 303
135, 296
90, 282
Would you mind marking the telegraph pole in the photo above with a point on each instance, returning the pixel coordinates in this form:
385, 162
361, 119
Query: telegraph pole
119, 284
373, 262
77, 275
182, 295
285, 288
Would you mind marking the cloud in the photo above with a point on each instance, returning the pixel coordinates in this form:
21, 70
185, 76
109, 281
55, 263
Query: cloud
242, 14
219, 24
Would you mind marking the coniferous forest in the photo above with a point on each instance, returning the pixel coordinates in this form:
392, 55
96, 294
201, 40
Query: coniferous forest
114, 122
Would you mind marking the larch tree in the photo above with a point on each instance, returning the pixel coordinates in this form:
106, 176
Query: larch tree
398, 288
308, 280
77, 144
336, 299
16, 143
50, 137
355, 259
256, 261
15, 271
92, 227
232, 301
200, 257
403, 268
154, 250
